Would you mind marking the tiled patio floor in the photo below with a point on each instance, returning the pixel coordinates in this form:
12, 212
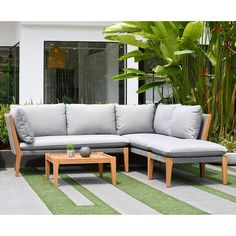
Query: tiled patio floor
17, 197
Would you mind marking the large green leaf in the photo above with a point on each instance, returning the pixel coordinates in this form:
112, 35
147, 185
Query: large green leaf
165, 51
124, 76
131, 75
127, 39
211, 56
155, 84
183, 52
137, 55
121, 28
167, 70
145, 26
165, 30
133, 70
193, 30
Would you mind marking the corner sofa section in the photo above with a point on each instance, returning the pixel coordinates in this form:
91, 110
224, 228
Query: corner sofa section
169, 134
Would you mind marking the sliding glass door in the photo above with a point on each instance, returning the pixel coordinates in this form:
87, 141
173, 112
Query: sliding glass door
81, 72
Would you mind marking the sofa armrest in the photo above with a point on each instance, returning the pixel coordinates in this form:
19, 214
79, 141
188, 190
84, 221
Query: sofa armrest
13, 138
205, 126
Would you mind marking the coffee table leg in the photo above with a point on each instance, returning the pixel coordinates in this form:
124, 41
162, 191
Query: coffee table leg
100, 168
47, 169
55, 173
113, 171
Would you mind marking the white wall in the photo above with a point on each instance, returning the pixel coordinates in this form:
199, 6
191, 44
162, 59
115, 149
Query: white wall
32, 37
8, 33
132, 84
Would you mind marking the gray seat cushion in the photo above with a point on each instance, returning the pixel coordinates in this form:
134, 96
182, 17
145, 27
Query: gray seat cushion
186, 122
23, 127
140, 140
163, 117
90, 119
134, 119
46, 119
175, 147
60, 142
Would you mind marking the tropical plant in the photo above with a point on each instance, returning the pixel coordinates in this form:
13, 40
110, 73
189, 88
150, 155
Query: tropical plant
196, 58
170, 42
4, 141
70, 147
221, 52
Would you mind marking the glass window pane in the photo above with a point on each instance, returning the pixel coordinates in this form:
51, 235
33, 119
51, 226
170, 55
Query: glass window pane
9, 74
81, 72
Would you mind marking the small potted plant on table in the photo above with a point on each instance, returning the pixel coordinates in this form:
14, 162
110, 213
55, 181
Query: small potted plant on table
230, 144
70, 150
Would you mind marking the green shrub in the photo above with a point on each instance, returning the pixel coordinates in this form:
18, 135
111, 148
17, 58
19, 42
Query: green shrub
229, 143
4, 141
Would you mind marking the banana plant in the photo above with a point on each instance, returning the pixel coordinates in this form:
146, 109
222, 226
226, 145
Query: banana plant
169, 41
198, 59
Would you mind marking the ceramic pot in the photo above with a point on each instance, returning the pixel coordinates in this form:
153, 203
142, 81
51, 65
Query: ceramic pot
85, 151
70, 153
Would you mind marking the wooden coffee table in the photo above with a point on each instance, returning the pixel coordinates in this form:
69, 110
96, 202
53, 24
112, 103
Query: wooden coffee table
58, 159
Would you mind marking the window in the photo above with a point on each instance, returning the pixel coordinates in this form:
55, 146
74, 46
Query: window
81, 72
9, 74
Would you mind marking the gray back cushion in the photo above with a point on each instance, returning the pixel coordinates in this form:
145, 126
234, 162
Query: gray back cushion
134, 119
163, 118
90, 119
23, 127
46, 119
186, 122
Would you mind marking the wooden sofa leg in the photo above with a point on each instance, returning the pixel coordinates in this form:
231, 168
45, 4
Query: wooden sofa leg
224, 169
17, 164
169, 164
202, 169
150, 163
126, 159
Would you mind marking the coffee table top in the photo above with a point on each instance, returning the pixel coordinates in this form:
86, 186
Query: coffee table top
63, 158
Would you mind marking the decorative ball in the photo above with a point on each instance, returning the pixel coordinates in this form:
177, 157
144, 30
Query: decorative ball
85, 151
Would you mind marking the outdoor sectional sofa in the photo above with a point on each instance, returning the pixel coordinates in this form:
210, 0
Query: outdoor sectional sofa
168, 133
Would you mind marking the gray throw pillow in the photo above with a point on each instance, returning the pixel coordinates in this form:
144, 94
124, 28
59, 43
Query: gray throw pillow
45, 119
134, 119
186, 122
23, 126
163, 118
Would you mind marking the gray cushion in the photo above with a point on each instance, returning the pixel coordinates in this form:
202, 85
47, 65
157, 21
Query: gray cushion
186, 122
163, 116
47, 119
23, 126
90, 119
175, 147
60, 142
140, 140
134, 119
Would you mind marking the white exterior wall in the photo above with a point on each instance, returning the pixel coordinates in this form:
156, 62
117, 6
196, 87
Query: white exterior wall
8, 33
132, 84
32, 36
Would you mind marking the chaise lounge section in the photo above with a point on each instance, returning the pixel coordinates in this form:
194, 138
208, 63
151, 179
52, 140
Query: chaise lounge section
169, 134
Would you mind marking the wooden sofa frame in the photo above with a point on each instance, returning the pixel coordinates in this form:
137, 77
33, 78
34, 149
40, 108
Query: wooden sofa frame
19, 153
